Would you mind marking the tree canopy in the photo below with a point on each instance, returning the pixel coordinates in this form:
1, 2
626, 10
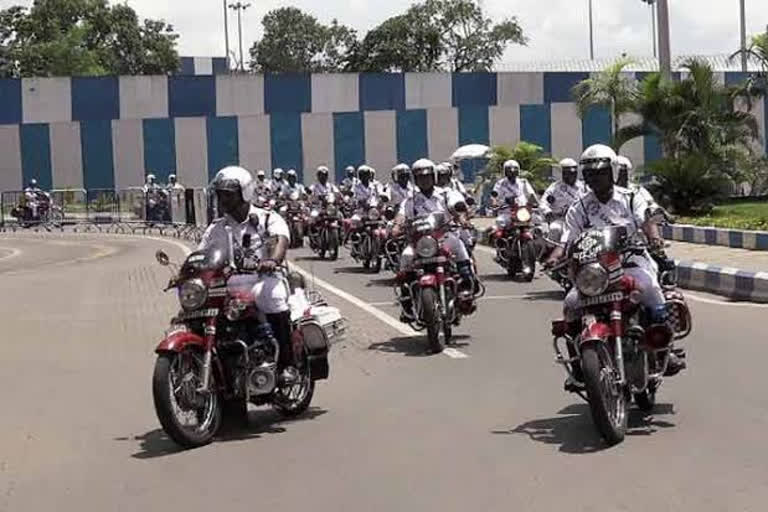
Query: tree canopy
83, 37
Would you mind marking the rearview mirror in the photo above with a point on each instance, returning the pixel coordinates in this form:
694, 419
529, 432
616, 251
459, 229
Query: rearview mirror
162, 258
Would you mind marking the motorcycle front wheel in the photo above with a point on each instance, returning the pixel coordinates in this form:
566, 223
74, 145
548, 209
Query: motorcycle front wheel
174, 390
430, 317
607, 400
528, 258
333, 245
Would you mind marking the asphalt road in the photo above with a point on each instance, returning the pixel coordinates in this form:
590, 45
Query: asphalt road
485, 428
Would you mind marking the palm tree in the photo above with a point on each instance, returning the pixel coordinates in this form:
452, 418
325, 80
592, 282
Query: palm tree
695, 115
756, 85
610, 88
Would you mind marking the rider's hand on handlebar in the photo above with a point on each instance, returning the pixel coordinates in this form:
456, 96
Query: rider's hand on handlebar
268, 266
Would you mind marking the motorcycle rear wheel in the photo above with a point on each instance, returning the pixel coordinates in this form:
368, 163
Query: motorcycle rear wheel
608, 406
166, 385
294, 400
430, 313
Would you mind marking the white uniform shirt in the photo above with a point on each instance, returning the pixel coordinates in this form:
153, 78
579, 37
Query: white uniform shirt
398, 194
270, 224
289, 189
366, 195
458, 186
564, 196
319, 190
418, 204
264, 188
623, 209
520, 189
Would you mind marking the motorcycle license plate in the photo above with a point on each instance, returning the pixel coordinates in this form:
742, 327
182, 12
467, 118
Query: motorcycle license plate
601, 299
200, 313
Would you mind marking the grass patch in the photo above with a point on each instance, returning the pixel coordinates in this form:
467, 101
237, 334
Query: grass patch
736, 215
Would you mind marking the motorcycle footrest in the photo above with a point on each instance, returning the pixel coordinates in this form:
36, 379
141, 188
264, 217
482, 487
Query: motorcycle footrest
574, 386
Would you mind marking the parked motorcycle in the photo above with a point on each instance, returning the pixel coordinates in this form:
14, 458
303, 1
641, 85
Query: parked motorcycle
220, 352
434, 292
158, 205
615, 351
325, 232
366, 236
513, 238
47, 212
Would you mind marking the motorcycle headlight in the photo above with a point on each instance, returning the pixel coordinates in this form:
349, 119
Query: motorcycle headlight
523, 215
374, 214
192, 294
591, 279
426, 247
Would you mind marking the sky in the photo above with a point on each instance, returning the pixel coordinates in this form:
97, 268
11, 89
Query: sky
557, 29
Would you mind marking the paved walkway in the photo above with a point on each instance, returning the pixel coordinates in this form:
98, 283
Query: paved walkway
726, 257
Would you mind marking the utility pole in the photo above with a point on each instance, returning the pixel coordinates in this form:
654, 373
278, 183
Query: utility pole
591, 34
743, 36
652, 5
665, 54
226, 35
240, 7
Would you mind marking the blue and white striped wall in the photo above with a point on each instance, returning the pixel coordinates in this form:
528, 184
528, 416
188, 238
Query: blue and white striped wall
110, 131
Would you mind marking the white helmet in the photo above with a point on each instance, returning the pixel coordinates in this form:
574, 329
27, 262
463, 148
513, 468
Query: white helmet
424, 166
234, 177
568, 162
171, 177
365, 169
291, 174
322, 169
511, 164
261, 172
150, 178
400, 169
277, 173
599, 156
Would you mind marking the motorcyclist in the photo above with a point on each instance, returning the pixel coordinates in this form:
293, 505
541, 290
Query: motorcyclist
401, 186
319, 192
451, 181
292, 185
150, 183
234, 188
365, 193
626, 179
512, 186
426, 199
278, 181
610, 205
263, 185
560, 195
34, 195
351, 179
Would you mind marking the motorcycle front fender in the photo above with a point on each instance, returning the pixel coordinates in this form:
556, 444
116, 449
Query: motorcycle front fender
596, 332
428, 281
178, 341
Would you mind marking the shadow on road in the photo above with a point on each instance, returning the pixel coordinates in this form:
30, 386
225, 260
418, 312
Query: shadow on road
414, 346
574, 431
550, 295
384, 282
352, 270
156, 443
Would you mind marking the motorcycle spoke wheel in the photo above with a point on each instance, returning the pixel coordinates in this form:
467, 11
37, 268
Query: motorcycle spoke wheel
430, 316
293, 400
607, 401
189, 417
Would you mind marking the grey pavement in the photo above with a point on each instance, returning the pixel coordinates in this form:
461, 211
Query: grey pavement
393, 429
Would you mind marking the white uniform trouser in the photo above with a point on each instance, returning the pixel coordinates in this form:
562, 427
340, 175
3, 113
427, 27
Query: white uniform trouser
269, 291
450, 241
647, 283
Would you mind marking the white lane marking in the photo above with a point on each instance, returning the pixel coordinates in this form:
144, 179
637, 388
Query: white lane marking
454, 353
381, 304
14, 252
373, 311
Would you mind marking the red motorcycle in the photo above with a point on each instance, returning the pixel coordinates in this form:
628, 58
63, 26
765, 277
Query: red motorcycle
294, 212
513, 238
616, 353
437, 302
366, 236
220, 351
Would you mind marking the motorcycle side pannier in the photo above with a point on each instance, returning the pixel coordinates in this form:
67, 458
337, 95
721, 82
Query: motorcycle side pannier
317, 348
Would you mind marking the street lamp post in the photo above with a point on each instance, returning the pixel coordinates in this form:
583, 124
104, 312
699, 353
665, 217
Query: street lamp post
240, 7
665, 54
743, 36
226, 34
591, 34
652, 5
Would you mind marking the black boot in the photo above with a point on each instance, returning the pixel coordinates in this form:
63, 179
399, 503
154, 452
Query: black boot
282, 329
468, 280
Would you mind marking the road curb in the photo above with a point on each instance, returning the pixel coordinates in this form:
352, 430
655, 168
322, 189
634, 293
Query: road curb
735, 238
